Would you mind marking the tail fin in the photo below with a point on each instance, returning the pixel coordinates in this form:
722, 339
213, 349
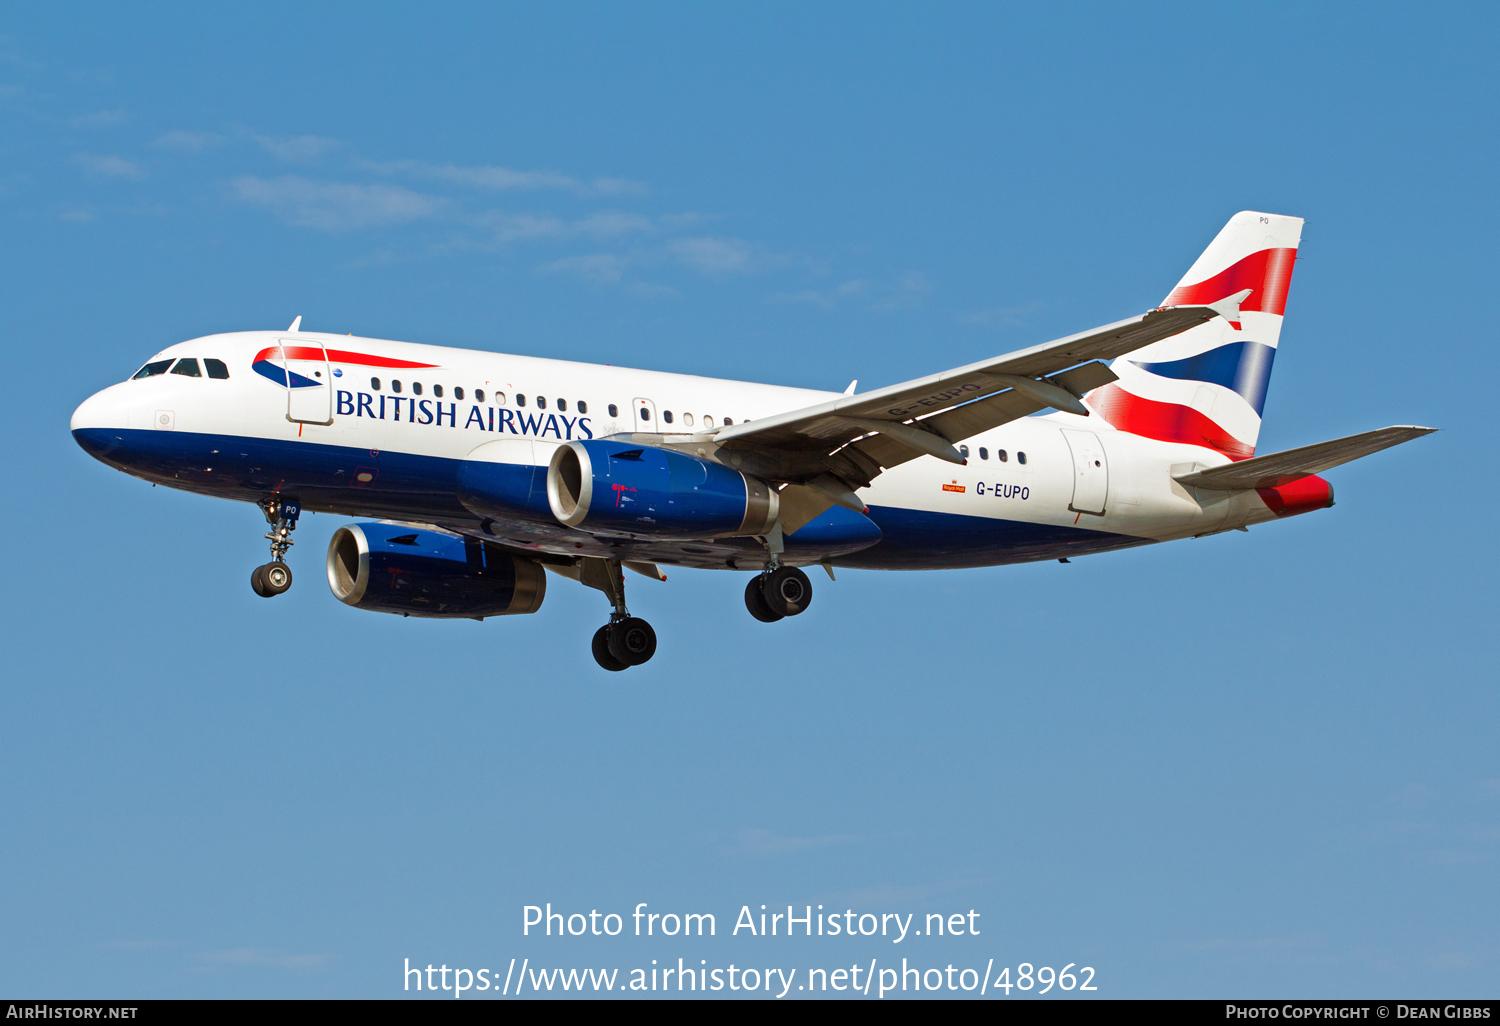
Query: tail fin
1207, 386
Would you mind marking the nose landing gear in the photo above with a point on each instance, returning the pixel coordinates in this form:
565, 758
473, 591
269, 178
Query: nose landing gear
275, 577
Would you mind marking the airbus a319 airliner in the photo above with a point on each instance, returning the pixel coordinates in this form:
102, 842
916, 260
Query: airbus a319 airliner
480, 471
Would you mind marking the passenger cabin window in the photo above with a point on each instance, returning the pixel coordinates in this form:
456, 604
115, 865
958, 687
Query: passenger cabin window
687, 418
963, 450
375, 384
1002, 455
614, 411
541, 402
562, 406
984, 453
216, 368
1020, 457
151, 370
727, 422
188, 368
667, 416
478, 395
458, 393
520, 399
416, 388
395, 386
437, 390
645, 413
499, 398
583, 407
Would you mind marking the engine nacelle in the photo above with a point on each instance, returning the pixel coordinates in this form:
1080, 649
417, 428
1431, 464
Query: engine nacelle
616, 488
393, 568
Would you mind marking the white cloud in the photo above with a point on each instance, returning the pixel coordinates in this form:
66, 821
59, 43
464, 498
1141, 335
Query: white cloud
296, 149
910, 289
1001, 316
260, 956
595, 266
827, 300
504, 178
649, 291
618, 187
709, 255
605, 225
110, 166
335, 206
613, 224
189, 142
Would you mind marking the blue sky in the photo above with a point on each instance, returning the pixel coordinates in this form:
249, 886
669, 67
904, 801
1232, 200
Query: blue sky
1261, 764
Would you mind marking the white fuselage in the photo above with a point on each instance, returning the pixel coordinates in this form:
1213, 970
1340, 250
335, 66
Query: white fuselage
1064, 485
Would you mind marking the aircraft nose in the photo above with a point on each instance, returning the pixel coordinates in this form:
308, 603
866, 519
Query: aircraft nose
99, 423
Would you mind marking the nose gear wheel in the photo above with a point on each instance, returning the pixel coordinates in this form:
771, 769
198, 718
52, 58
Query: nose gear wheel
275, 577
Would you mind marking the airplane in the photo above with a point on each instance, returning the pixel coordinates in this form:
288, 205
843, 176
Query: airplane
481, 472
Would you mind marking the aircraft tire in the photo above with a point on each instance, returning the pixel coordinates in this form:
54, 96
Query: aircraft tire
276, 578
257, 584
602, 654
755, 601
787, 590
632, 641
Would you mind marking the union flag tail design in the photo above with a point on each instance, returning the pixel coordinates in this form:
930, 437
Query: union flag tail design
1207, 386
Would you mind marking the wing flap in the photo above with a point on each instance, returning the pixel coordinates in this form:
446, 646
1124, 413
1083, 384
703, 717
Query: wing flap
812, 428
1279, 468
972, 418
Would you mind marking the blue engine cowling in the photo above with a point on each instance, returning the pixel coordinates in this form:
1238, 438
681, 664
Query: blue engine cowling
393, 568
640, 491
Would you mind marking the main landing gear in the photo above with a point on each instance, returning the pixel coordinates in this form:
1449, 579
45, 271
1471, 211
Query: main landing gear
779, 592
275, 577
626, 640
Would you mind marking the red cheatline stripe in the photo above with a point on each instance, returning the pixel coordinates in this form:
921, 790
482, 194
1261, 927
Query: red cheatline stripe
1268, 272
1166, 422
336, 356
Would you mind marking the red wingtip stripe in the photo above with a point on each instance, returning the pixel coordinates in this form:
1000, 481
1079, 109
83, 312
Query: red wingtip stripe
1268, 273
1165, 422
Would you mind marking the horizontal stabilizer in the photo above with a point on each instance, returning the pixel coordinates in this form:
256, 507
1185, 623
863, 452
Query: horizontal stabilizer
1279, 468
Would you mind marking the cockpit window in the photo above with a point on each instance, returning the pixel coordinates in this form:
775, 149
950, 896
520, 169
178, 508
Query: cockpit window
151, 370
215, 368
188, 368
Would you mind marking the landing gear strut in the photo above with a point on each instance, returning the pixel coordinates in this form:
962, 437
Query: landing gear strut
626, 640
275, 577
779, 592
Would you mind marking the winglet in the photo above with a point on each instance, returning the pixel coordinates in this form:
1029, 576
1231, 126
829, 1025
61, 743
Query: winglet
850, 389
296, 323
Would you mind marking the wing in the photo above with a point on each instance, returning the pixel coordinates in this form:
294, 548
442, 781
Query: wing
1279, 468
854, 437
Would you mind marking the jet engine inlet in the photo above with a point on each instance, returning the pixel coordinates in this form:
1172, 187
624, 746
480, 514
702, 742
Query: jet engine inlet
397, 568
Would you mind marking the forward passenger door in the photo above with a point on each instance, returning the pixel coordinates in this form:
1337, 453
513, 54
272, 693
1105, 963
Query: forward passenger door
309, 393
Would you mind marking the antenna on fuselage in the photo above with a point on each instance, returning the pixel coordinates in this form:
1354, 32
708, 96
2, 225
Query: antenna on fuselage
296, 323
